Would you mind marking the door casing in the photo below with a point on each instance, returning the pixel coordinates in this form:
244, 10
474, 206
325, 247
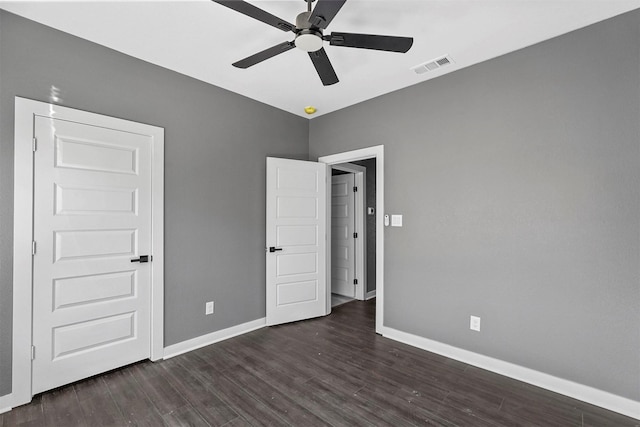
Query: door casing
376, 152
25, 111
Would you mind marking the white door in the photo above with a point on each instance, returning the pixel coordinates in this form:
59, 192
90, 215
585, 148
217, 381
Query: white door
296, 240
342, 235
92, 217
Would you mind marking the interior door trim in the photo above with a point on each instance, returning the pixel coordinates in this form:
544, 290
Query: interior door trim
376, 152
25, 112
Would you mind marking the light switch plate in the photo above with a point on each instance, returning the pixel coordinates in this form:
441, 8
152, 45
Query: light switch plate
396, 220
474, 323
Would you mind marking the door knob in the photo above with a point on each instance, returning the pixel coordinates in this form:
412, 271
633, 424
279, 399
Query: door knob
143, 258
274, 249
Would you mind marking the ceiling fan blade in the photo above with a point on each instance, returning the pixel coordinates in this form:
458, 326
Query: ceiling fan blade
257, 13
323, 67
370, 41
324, 12
264, 55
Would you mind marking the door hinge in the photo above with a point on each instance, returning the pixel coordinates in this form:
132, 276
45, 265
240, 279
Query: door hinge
33, 352
355, 189
355, 235
34, 144
355, 281
33, 247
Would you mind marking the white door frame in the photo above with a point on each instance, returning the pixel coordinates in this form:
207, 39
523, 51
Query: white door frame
360, 174
25, 112
376, 152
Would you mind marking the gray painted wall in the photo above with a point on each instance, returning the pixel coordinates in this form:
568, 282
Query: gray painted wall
216, 144
370, 164
519, 183
520, 192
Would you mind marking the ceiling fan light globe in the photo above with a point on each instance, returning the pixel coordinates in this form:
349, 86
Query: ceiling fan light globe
308, 42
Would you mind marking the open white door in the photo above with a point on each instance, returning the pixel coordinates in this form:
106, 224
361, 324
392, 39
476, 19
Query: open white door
296, 240
343, 265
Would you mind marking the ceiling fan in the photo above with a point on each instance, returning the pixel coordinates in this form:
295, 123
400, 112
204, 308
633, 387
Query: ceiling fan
309, 36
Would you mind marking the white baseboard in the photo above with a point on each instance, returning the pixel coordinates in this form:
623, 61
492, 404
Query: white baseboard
612, 402
214, 337
369, 295
6, 403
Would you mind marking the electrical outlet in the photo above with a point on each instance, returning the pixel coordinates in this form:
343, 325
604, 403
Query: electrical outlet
474, 323
208, 308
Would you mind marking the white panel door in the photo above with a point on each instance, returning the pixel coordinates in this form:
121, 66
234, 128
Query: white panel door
92, 217
296, 240
343, 219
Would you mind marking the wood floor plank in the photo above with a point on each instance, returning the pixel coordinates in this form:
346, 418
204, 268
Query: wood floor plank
279, 349
185, 416
96, 403
596, 417
31, 414
461, 418
469, 407
279, 403
26, 424
252, 410
217, 356
542, 412
162, 394
304, 368
210, 407
358, 359
353, 404
398, 403
238, 422
330, 371
381, 376
61, 408
132, 401
471, 396
330, 408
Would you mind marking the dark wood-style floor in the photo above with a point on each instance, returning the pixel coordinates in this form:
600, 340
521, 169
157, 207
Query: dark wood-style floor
332, 371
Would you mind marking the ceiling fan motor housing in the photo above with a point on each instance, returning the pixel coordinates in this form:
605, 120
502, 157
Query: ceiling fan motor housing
309, 38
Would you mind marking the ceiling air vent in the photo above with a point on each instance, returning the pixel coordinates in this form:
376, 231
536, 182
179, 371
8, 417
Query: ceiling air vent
434, 64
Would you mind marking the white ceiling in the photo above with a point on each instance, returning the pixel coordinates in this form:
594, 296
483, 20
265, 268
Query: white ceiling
202, 39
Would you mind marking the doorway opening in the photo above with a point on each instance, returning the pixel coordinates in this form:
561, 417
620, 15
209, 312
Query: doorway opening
353, 234
375, 156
